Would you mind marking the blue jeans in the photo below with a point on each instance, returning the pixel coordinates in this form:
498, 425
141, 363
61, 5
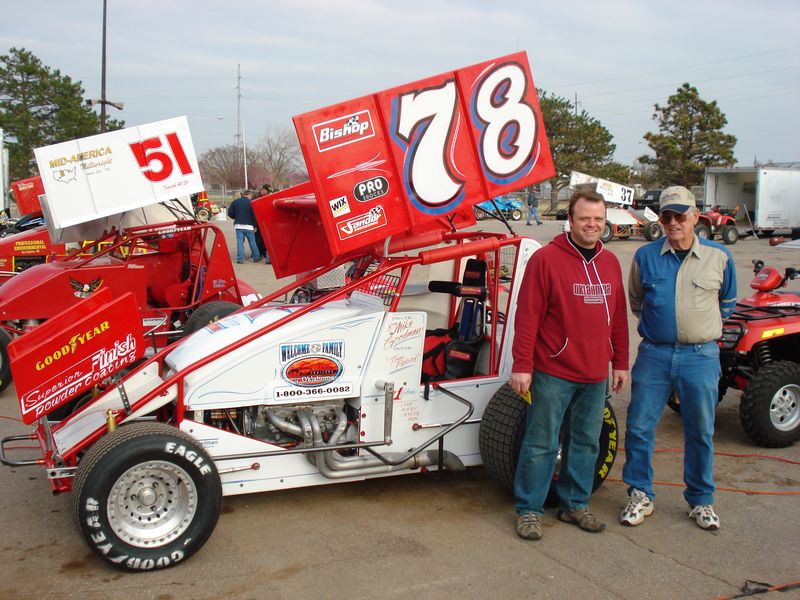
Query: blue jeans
693, 371
241, 234
532, 213
579, 406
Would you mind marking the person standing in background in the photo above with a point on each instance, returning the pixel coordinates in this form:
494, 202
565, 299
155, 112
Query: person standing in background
244, 223
533, 204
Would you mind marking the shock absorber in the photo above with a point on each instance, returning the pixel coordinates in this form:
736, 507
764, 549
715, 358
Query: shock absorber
762, 354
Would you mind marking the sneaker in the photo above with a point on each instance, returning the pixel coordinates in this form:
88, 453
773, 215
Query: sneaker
529, 526
583, 518
239, 262
704, 516
639, 506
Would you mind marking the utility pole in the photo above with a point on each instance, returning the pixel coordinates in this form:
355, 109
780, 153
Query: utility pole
239, 123
103, 75
576, 104
102, 101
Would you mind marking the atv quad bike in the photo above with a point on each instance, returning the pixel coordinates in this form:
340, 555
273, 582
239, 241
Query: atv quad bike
718, 222
401, 368
760, 355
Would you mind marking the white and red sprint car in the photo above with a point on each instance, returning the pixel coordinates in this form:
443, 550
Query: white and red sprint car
393, 361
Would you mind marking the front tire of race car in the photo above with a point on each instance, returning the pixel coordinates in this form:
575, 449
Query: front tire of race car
516, 215
503, 428
5, 366
608, 233
652, 231
146, 496
202, 214
208, 313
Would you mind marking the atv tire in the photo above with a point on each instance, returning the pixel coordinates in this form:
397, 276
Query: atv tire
208, 313
652, 231
608, 233
730, 235
5, 366
703, 231
770, 406
503, 428
146, 496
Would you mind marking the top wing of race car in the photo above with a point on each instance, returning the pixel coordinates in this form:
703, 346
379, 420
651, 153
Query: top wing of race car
407, 161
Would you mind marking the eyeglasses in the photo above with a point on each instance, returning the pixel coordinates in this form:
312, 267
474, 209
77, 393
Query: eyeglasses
666, 217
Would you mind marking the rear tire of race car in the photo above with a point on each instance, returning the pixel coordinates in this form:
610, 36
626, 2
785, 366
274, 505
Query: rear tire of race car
608, 233
730, 235
202, 214
770, 407
5, 366
146, 496
516, 215
480, 214
503, 428
653, 232
703, 231
208, 313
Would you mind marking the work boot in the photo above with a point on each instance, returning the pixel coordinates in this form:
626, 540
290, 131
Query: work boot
529, 526
583, 518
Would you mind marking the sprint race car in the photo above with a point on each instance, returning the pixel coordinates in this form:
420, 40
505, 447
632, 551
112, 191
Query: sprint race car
396, 365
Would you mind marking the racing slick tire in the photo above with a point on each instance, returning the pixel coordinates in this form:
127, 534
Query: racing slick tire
703, 231
652, 231
730, 235
208, 313
503, 428
202, 213
770, 407
146, 496
608, 233
516, 215
5, 366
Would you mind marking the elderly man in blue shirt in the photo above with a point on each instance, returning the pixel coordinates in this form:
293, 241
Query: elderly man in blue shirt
681, 288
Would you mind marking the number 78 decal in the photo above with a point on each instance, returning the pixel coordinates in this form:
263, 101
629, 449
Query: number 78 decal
425, 124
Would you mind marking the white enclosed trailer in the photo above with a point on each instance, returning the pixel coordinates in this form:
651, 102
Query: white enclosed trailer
769, 196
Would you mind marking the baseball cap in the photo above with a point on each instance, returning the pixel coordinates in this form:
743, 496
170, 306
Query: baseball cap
677, 199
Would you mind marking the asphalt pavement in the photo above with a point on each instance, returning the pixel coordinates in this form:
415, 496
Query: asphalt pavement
448, 535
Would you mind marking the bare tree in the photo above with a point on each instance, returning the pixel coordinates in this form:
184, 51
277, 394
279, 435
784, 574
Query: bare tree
222, 166
278, 155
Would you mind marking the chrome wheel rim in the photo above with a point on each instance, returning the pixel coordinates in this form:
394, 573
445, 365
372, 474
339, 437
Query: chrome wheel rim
152, 504
784, 409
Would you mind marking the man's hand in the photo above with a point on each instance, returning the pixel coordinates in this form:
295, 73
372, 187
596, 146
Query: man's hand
618, 379
520, 382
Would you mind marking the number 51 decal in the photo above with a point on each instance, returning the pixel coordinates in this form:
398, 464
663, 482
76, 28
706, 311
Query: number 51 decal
158, 165
426, 122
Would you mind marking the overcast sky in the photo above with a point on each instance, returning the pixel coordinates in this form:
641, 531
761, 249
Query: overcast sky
168, 58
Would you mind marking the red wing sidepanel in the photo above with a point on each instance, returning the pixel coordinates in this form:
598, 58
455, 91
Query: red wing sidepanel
70, 353
413, 159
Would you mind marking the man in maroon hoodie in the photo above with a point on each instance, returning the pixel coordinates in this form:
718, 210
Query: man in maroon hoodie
571, 322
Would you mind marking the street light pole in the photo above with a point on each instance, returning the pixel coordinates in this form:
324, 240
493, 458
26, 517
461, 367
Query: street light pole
244, 154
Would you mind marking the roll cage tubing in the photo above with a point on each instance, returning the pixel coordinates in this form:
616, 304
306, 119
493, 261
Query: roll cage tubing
131, 236
486, 242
